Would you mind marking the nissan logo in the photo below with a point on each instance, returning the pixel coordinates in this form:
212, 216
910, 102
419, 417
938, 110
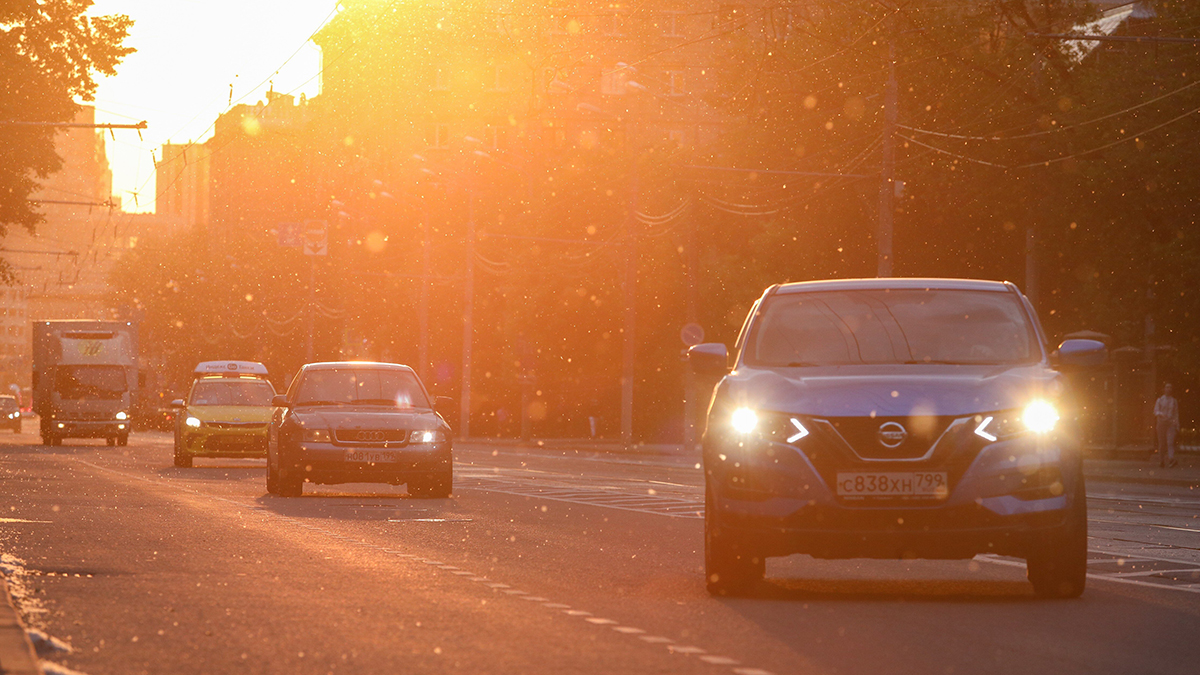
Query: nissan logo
368, 436
891, 434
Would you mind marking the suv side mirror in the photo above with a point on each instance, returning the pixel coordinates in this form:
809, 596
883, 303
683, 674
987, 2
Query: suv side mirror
178, 403
710, 358
279, 401
1082, 353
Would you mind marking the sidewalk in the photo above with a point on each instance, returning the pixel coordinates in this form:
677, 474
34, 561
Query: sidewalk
1138, 468
16, 651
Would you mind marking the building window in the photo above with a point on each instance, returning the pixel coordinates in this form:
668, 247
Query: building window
675, 83
439, 136
440, 80
612, 24
612, 81
497, 79
675, 136
672, 24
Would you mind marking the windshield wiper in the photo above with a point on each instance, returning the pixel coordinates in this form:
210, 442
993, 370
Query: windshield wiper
380, 401
800, 364
945, 362
318, 402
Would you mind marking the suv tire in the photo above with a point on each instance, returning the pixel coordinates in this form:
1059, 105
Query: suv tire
1057, 566
731, 566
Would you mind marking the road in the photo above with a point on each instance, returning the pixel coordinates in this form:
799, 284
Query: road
540, 563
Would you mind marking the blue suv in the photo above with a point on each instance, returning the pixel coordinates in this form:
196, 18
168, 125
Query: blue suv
893, 418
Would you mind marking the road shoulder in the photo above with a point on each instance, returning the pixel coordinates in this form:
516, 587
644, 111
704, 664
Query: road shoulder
16, 651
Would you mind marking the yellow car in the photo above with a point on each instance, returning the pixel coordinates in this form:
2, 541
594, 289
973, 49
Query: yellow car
226, 414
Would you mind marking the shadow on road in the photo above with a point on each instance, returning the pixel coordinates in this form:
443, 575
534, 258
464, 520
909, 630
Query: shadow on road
389, 506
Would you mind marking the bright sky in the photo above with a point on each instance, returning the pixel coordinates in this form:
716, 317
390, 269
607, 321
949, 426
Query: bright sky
188, 53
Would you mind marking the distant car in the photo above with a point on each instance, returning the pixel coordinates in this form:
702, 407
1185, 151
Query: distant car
10, 413
358, 422
893, 418
226, 413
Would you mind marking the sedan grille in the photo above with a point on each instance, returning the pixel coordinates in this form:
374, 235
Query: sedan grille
245, 426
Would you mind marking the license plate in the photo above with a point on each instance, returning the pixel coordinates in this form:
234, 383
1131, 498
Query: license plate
918, 484
371, 456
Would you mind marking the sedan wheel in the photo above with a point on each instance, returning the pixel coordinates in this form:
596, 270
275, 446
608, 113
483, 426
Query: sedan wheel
438, 486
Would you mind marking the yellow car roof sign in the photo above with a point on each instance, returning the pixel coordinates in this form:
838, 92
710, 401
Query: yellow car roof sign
231, 368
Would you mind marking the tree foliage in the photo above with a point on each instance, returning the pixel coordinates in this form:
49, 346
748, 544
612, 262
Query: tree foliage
50, 53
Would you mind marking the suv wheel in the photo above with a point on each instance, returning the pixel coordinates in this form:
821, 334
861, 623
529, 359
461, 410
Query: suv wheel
731, 566
1057, 566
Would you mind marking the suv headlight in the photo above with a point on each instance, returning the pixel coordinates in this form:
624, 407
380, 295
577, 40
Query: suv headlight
427, 436
122, 415
193, 422
1039, 417
744, 420
780, 428
316, 436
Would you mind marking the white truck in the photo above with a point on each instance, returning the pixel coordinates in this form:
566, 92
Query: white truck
85, 375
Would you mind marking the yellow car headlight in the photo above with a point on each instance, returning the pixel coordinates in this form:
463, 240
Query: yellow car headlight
193, 422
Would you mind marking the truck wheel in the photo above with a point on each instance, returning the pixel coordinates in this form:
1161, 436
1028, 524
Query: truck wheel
110, 441
56, 440
123, 439
731, 566
1057, 565
437, 486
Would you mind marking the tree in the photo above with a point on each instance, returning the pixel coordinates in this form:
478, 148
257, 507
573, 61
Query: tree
50, 51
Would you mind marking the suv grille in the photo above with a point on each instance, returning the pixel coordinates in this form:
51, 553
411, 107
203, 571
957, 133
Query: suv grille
884, 438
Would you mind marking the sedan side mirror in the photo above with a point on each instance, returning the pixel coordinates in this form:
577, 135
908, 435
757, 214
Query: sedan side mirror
710, 358
1082, 353
178, 403
279, 401
440, 402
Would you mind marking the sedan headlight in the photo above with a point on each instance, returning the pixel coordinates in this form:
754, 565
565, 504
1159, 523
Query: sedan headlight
193, 422
427, 436
122, 415
316, 436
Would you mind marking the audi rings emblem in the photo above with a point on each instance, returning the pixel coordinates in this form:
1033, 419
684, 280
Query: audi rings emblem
892, 434
368, 436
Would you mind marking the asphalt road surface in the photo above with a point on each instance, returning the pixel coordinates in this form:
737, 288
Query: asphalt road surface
540, 563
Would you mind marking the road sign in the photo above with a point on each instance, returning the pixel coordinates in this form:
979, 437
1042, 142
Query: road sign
692, 334
290, 234
316, 237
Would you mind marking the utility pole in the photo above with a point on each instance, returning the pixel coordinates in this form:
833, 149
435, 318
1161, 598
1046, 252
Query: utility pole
312, 300
423, 318
690, 393
468, 315
887, 178
629, 285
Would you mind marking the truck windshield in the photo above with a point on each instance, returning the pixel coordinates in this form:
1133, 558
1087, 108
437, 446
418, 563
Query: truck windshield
232, 392
90, 382
361, 386
882, 326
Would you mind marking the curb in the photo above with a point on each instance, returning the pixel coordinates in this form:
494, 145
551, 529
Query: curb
1174, 482
16, 651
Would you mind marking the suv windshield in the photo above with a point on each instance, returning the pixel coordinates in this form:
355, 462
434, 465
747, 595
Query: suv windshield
232, 392
881, 326
397, 388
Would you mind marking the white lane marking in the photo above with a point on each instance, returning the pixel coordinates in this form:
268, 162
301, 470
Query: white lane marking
1135, 524
684, 649
534, 598
1150, 573
672, 648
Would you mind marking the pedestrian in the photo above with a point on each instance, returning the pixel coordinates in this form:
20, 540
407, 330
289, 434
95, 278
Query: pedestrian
1166, 422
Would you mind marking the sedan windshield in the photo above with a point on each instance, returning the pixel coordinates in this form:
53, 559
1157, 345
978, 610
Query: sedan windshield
398, 388
232, 392
891, 326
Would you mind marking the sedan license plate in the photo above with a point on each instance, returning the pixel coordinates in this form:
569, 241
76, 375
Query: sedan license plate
891, 484
371, 456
